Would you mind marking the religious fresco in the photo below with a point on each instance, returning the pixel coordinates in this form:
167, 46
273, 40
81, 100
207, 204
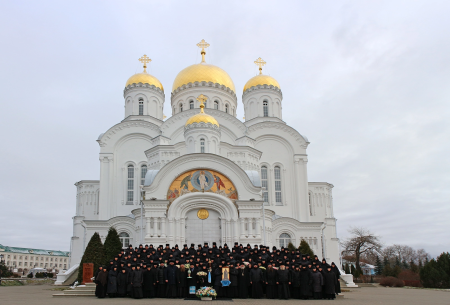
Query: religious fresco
202, 180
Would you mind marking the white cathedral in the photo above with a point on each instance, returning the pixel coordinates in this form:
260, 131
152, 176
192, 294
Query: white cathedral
202, 175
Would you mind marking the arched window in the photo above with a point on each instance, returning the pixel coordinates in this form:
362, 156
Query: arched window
265, 184
191, 105
130, 184
216, 105
202, 145
265, 108
181, 107
143, 172
141, 106
226, 108
277, 173
124, 239
205, 103
285, 239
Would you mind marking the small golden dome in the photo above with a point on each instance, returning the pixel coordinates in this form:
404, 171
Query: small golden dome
202, 117
203, 72
144, 78
261, 80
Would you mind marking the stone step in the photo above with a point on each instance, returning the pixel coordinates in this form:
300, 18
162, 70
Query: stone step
76, 291
85, 288
74, 295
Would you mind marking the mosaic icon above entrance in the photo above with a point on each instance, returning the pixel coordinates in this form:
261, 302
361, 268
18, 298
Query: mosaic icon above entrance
202, 180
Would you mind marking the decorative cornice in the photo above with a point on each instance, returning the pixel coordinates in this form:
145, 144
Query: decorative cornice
204, 84
214, 112
104, 138
302, 141
202, 125
144, 86
259, 87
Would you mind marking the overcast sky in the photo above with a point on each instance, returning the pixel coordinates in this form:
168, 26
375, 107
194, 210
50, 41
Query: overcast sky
366, 81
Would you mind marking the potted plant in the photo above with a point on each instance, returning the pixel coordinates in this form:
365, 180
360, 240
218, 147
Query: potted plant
206, 294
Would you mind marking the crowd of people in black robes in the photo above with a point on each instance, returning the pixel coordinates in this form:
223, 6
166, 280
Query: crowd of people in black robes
164, 272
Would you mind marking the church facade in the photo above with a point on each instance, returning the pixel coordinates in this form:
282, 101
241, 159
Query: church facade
202, 175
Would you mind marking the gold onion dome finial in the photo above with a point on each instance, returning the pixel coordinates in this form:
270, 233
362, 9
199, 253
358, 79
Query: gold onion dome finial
261, 79
203, 72
202, 117
144, 77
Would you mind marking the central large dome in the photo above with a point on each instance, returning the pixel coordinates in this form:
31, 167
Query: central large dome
203, 72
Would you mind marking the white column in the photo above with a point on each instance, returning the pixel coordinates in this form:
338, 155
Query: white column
158, 226
258, 228
177, 233
235, 231
170, 232
104, 183
242, 221
147, 227
183, 231
228, 232
250, 227
163, 226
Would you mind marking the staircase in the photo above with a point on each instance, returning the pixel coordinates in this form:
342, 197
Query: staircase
87, 290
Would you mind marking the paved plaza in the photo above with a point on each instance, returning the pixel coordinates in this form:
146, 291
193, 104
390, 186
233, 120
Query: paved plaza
42, 294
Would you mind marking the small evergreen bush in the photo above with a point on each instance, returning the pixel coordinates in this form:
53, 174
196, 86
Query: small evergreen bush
391, 281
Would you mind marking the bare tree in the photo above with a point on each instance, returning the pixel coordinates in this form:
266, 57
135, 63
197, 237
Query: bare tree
361, 242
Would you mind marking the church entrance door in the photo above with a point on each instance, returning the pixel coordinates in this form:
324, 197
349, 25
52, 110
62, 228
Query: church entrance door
199, 231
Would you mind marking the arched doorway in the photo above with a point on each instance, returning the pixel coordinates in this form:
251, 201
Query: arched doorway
199, 231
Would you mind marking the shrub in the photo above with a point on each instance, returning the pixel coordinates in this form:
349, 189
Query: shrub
291, 247
30, 275
410, 278
50, 275
391, 281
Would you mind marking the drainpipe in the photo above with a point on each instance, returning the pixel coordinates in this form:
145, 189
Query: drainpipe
142, 214
324, 225
264, 217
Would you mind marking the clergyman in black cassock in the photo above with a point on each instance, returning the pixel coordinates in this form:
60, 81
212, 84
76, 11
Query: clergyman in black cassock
305, 283
122, 282
283, 281
101, 281
256, 279
137, 279
243, 282
271, 283
317, 282
170, 276
329, 279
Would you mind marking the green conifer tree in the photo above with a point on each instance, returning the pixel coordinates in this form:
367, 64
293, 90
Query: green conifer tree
291, 247
413, 267
420, 264
387, 270
352, 270
94, 253
396, 270
405, 265
347, 269
112, 245
305, 249
378, 267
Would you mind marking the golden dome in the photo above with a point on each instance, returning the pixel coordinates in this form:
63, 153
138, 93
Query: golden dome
261, 80
202, 117
203, 72
144, 78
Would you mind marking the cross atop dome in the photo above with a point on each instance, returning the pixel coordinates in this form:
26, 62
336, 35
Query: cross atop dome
203, 44
202, 99
260, 63
145, 60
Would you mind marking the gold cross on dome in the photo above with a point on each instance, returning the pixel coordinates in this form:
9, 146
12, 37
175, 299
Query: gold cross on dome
202, 99
145, 60
260, 63
203, 44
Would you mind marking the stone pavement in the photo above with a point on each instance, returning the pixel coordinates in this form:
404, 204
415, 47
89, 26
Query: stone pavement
42, 295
